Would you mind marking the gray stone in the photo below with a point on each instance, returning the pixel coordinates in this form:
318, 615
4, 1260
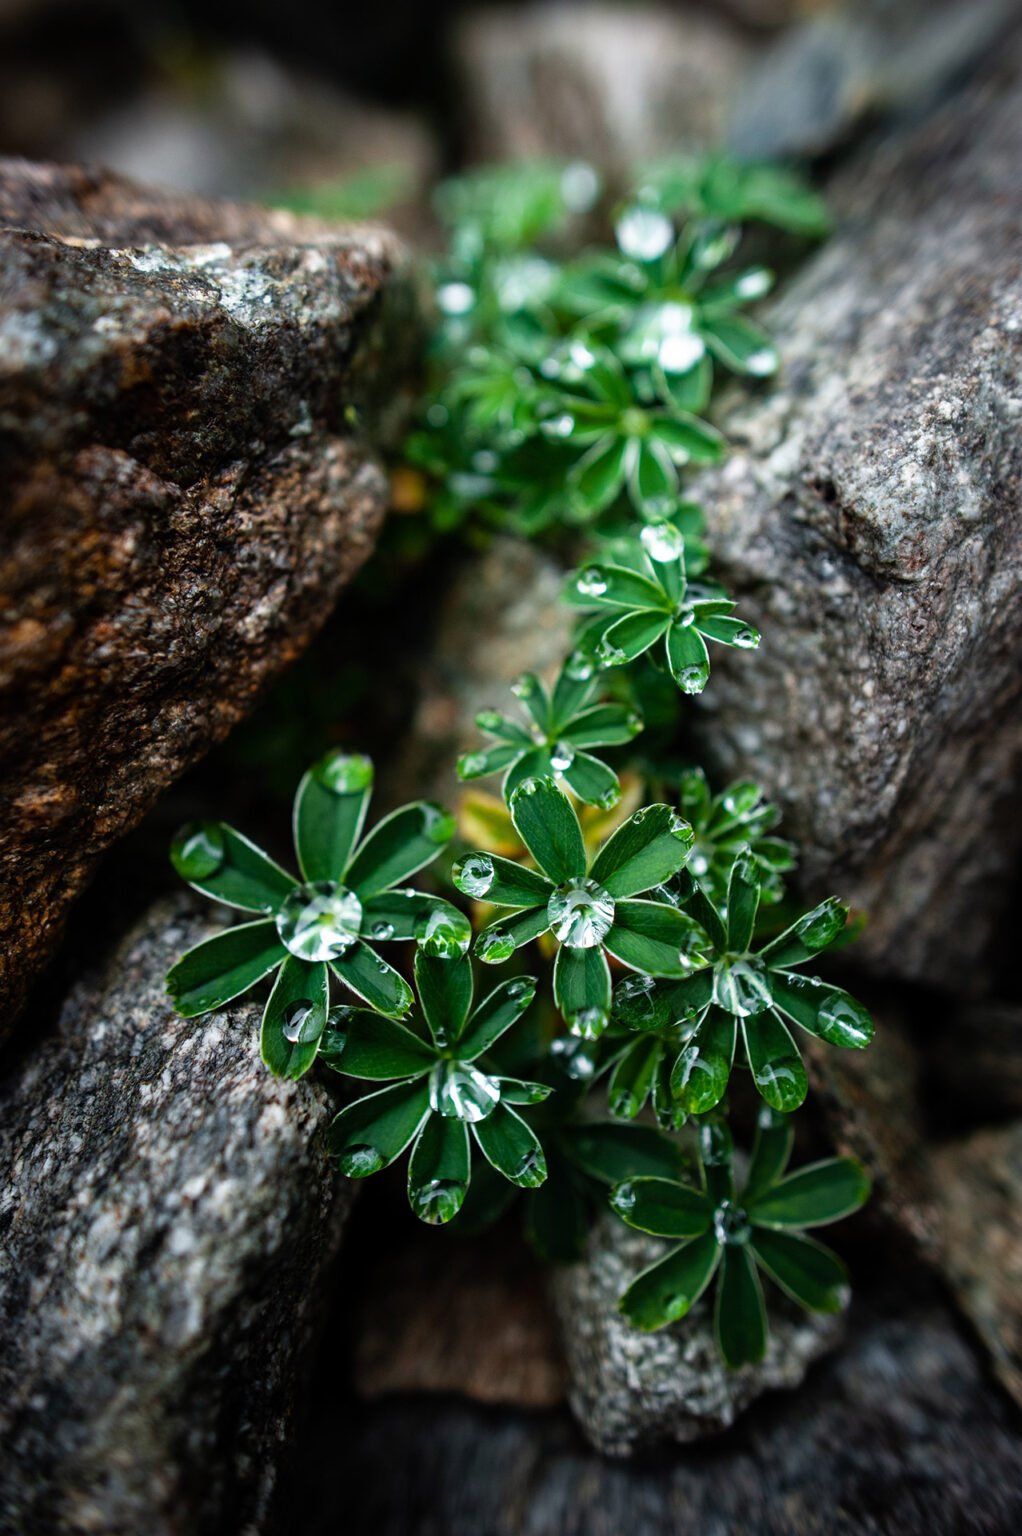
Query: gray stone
632, 1390
169, 1215
869, 522
596, 81
184, 490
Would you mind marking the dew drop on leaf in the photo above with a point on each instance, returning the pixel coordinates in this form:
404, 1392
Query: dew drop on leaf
360, 1161
581, 914
561, 757
444, 932
197, 851
459, 1091
495, 945
531, 1171
438, 1201
344, 773
438, 825
591, 582
589, 1023
662, 542
300, 1021
644, 233
579, 667
473, 875
319, 921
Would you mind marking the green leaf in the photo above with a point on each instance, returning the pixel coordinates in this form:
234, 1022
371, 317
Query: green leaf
655, 938
529, 692
662, 1207
439, 1170
740, 344
445, 993
805, 1270
743, 889
488, 877
654, 480
614, 586
498, 725
295, 1017
582, 990
739, 1317
534, 764
822, 1010
573, 689
400, 844
707, 916
499, 940
642, 1004
644, 852
688, 658
597, 477
605, 725
546, 823
329, 811
812, 1197
592, 781
776, 1065
221, 863
727, 630
495, 1015
517, 1090
632, 1077
370, 1045
670, 1288
812, 932
702, 1070
770, 1152
608, 1151
716, 1155
690, 439
221, 968
373, 980
477, 765
372, 1132
398, 914
630, 637
511, 1147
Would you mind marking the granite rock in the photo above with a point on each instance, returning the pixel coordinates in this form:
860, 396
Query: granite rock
169, 1215
632, 1391
869, 522
184, 488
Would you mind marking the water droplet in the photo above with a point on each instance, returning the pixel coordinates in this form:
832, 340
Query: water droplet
679, 828
531, 1171
319, 921
525, 687
529, 786
693, 679
455, 298
747, 639
591, 582
609, 798
589, 1023
579, 667
438, 825
762, 363
444, 932
561, 757
581, 355
521, 988
580, 186
754, 283
845, 1021
634, 722
575, 1057
197, 851
344, 773
623, 1198
581, 914
489, 720
730, 1224
821, 927
494, 945
680, 353
382, 931
473, 875
741, 987
360, 1161
624, 1105
459, 1091
644, 233
700, 858
438, 1201
301, 1022
663, 542
472, 765
558, 426
610, 655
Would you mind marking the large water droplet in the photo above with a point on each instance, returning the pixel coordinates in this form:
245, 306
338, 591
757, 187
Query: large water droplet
382, 931
591, 582
473, 875
444, 932
562, 756
678, 827
495, 945
845, 1021
301, 1022
693, 679
821, 927
438, 1201
581, 914
579, 667
644, 233
531, 1171
589, 1023
360, 1161
663, 542
522, 988
344, 773
762, 363
459, 1091
747, 639
489, 720
525, 687
438, 825
731, 1224
635, 1001
741, 987
319, 921
197, 851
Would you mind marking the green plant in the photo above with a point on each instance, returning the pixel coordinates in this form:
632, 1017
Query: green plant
729, 1233
570, 393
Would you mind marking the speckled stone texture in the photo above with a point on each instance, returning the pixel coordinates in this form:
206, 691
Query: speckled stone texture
188, 396
632, 1391
168, 1216
869, 521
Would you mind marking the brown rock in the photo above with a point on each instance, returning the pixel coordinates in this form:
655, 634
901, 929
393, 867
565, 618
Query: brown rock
980, 1184
183, 494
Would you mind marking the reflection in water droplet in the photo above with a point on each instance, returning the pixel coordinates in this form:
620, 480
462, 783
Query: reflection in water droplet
437, 824
382, 931
438, 1201
741, 986
360, 1161
579, 667
521, 988
495, 945
344, 773
747, 639
474, 874
319, 921
531, 1171
845, 1021
459, 1091
443, 932
561, 757
301, 1022
609, 798
591, 582
581, 914
525, 687
644, 233
489, 720
693, 679
589, 1023
472, 765
623, 1198
197, 851
679, 828
662, 542
730, 1224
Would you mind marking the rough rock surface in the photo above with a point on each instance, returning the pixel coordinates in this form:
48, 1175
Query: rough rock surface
632, 1390
168, 1215
869, 520
596, 81
898, 1434
980, 1183
183, 494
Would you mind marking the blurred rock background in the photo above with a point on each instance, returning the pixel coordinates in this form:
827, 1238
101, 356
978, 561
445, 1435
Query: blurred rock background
439, 1374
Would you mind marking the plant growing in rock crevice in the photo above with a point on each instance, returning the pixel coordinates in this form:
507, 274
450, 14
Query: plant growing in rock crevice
572, 394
